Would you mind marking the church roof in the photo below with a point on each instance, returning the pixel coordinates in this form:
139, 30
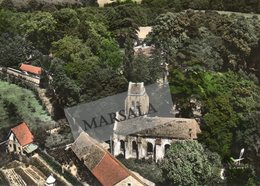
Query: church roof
23, 134
180, 128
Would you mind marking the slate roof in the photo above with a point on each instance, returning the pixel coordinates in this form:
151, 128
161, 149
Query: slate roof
31, 69
23, 134
179, 128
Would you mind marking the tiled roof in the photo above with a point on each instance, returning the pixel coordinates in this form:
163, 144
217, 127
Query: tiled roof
86, 149
109, 171
23, 134
180, 128
106, 168
31, 69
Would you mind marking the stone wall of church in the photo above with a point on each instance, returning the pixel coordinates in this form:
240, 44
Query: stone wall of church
140, 147
133, 102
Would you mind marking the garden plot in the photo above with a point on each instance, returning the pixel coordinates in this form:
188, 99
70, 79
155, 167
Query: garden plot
13, 178
23, 176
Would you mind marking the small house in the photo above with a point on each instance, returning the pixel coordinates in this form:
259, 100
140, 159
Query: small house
20, 140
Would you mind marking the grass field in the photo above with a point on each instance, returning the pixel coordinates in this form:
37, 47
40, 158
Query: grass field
19, 104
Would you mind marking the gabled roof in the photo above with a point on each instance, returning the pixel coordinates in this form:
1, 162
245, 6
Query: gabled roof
180, 128
106, 168
86, 149
23, 134
109, 171
31, 69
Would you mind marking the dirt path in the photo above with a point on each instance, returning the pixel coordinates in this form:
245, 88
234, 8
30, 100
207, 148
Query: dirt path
45, 101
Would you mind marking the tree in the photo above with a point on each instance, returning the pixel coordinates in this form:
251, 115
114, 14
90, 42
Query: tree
67, 22
68, 46
6, 22
8, 4
146, 69
110, 54
226, 100
39, 29
248, 135
66, 90
188, 163
128, 59
14, 50
12, 111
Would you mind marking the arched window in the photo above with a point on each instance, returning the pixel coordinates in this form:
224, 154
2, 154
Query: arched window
149, 148
166, 147
134, 146
122, 145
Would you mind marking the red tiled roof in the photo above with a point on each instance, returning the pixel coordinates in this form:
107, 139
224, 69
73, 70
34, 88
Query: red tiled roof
109, 171
23, 134
31, 69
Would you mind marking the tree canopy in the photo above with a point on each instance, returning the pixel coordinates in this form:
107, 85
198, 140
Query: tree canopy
188, 163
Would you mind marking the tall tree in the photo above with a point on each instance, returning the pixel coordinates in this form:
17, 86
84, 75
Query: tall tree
15, 50
39, 29
188, 163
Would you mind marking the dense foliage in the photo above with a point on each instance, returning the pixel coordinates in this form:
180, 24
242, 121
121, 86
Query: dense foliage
228, 105
188, 163
144, 167
213, 58
185, 163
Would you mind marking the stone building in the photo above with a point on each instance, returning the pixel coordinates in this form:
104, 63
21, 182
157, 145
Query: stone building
141, 46
148, 137
135, 96
20, 140
106, 168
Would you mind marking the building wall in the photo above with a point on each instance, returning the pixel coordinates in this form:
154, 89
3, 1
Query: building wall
158, 147
142, 99
129, 181
13, 145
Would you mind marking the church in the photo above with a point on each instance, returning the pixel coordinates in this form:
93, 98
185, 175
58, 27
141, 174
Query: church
145, 136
